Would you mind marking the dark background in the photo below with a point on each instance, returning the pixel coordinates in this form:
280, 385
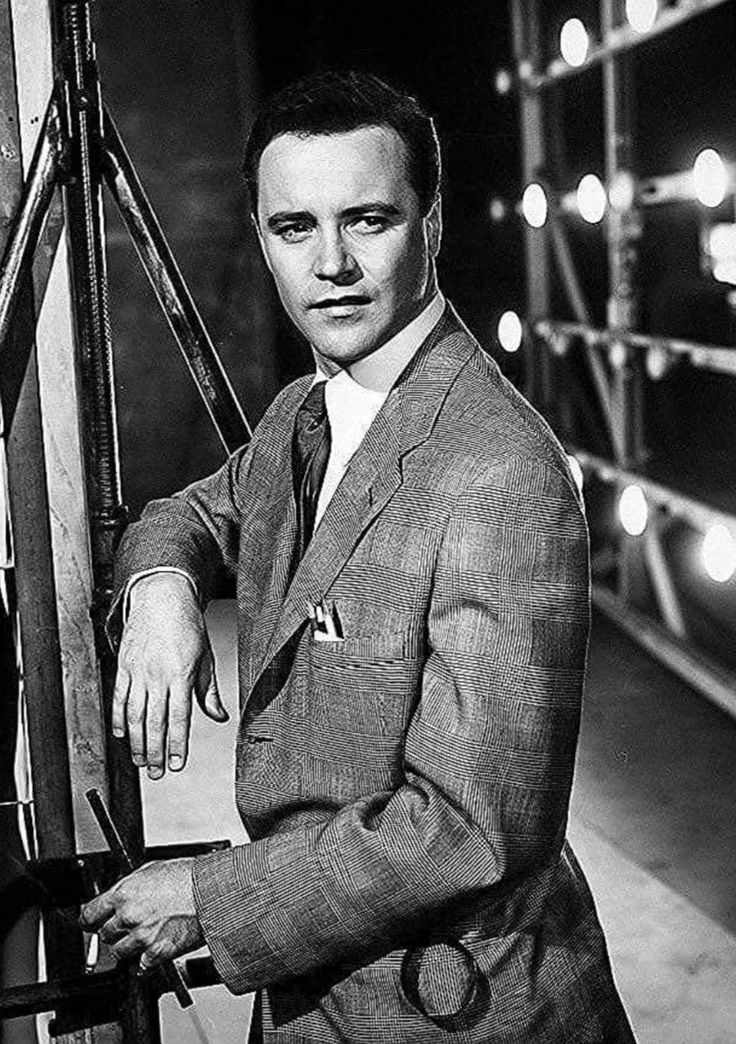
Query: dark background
183, 78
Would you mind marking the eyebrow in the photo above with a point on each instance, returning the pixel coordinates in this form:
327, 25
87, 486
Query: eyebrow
288, 215
374, 207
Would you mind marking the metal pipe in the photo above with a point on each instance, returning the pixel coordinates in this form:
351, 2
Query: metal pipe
579, 306
702, 674
173, 295
664, 587
525, 21
31, 213
716, 358
618, 40
698, 514
34, 998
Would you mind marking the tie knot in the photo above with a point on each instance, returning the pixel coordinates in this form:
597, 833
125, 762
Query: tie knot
312, 426
313, 408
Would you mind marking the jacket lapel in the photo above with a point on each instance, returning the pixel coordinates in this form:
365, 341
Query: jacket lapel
373, 475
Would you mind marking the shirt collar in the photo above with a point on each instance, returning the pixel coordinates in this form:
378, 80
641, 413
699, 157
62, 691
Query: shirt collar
379, 371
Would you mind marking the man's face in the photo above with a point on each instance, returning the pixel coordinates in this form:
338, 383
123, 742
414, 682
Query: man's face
342, 232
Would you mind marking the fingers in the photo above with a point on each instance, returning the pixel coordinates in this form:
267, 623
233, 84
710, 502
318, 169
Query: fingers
119, 700
180, 714
96, 912
207, 691
157, 717
136, 718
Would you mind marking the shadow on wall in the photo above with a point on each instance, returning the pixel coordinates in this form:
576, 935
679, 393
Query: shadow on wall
180, 82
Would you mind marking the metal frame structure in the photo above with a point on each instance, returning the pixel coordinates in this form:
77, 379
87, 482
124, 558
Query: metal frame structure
59, 205
617, 356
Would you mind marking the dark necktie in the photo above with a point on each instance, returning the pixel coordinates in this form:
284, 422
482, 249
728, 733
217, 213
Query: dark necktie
310, 450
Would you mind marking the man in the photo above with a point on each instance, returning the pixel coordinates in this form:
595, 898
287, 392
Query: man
412, 587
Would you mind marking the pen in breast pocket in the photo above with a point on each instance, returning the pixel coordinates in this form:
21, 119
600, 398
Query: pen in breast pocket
324, 620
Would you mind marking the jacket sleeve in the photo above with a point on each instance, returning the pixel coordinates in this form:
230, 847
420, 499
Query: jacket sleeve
195, 532
488, 758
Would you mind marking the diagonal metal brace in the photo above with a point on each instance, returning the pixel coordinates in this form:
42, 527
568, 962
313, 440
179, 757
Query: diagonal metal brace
39, 187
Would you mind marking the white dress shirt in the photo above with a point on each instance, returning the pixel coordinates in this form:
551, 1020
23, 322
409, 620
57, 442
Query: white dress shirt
353, 397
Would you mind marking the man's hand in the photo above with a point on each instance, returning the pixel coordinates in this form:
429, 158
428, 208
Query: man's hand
151, 912
165, 655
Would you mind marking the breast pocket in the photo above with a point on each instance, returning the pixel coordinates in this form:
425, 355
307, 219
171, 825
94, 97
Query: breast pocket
359, 700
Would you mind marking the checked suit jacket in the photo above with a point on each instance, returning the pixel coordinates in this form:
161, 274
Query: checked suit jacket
406, 789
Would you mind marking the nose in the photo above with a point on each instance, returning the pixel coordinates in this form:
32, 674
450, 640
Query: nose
334, 262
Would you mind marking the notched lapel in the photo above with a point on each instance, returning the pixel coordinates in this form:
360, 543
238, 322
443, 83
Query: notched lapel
373, 475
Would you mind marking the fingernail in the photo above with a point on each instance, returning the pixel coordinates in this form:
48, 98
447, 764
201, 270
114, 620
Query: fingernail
118, 733
175, 762
154, 772
139, 760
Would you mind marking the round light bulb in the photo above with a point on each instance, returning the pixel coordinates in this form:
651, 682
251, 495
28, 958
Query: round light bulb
622, 192
577, 471
591, 199
574, 42
722, 242
504, 82
534, 205
617, 355
642, 14
633, 510
510, 332
497, 210
658, 362
719, 554
710, 178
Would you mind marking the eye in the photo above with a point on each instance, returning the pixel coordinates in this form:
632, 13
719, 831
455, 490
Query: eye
369, 224
294, 232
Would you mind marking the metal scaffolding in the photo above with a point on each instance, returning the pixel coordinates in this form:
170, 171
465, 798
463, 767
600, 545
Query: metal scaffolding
618, 358
64, 492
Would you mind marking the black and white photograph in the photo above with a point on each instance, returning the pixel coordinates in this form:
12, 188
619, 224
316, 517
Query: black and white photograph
367, 522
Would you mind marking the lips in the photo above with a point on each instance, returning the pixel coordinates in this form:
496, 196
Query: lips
346, 301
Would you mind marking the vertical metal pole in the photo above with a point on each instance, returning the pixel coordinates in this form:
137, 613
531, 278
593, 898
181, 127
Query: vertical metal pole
624, 231
84, 204
89, 272
528, 57
29, 508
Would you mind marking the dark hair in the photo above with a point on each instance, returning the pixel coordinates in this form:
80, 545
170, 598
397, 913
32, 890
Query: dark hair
335, 102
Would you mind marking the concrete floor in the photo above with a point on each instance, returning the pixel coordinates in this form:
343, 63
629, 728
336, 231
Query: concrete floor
652, 823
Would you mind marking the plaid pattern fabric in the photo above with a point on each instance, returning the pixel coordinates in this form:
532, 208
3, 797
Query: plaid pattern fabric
407, 788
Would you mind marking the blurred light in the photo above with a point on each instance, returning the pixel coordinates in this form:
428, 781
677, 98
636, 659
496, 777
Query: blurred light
658, 362
559, 344
622, 191
642, 14
510, 332
497, 209
633, 510
534, 205
526, 70
722, 242
710, 178
574, 42
617, 355
725, 271
719, 554
577, 471
591, 198
504, 81
722, 252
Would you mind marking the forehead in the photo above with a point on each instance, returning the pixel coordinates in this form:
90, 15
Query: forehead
333, 171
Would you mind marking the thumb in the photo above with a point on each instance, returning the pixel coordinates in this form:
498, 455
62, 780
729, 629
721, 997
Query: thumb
208, 693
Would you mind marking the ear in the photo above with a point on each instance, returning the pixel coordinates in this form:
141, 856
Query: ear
261, 243
434, 227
